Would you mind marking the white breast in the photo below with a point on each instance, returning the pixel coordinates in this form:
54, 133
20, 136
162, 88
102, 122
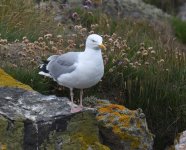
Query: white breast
89, 71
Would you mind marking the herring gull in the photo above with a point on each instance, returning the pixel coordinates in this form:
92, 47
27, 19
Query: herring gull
78, 70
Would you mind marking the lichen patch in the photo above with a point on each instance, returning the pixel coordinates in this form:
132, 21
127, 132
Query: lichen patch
8, 81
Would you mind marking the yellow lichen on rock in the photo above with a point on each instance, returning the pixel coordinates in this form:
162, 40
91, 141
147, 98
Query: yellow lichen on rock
8, 81
126, 125
121, 116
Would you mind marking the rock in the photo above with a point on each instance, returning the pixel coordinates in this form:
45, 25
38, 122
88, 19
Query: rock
119, 8
11, 134
19, 103
124, 129
179, 142
133, 8
32, 121
182, 12
34, 118
82, 133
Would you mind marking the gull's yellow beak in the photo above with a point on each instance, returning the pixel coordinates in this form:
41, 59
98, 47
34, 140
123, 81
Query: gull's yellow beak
102, 46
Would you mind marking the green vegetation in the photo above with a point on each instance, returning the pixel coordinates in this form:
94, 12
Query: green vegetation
140, 69
179, 29
31, 78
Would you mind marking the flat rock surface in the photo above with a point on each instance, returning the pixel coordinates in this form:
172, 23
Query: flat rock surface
15, 102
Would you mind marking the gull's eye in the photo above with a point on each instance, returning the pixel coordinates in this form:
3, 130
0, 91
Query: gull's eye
93, 41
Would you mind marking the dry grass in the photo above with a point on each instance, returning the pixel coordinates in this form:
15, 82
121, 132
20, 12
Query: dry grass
19, 18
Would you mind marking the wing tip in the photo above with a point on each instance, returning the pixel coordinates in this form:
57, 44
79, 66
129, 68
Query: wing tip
45, 74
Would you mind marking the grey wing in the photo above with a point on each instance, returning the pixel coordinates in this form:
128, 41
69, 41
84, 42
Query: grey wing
53, 57
63, 64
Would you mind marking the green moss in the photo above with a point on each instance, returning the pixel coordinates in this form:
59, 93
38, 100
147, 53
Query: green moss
82, 132
11, 134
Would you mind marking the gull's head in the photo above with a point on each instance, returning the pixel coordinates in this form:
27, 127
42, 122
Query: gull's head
94, 41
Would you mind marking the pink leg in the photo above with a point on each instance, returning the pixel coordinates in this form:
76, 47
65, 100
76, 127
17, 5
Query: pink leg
71, 95
81, 98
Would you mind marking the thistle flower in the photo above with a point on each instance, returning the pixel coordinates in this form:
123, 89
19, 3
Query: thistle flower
114, 35
161, 61
46, 48
150, 48
24, 38
26, 41
51, 42
74, 35
8, 55
152, 52
126, 60
138, 52
131, 64
24, 49
36, 42
83, 30
92, 26
81, 45
14, 65
91, 32
16, 41
54, 49
86, 7
144, 52
87, 3
3, 41
60, 51
59, 24
33, 62
70, 41
180, 54
106, 36
110, 40
139, 64
111, 70
142, 44
47, 36
116, 43
76, 27
59, 36
40, 39
75, 16
112, 49
147, 63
